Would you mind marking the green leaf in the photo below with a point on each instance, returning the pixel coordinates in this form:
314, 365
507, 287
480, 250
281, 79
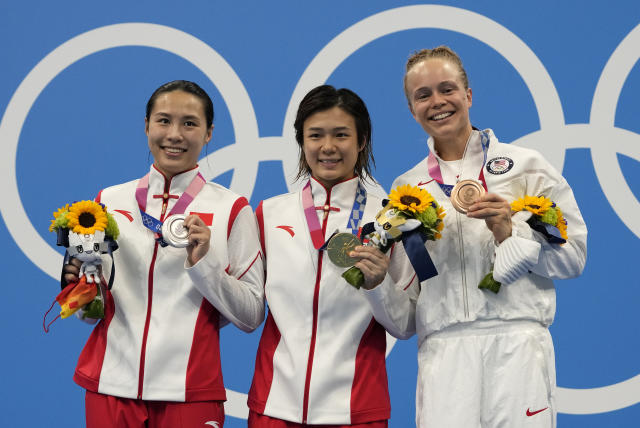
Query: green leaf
489, 283
94, 309
354, 276
112, 227
550, 217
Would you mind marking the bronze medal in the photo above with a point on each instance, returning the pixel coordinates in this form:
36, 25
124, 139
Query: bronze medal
339, 247
173, 231
465, 193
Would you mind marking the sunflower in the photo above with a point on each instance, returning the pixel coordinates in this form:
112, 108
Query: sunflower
537, 205
85, 217
545, 211
562, 224
55, 223
410, 198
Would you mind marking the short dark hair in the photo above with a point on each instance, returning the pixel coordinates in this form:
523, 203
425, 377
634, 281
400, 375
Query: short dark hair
185, 86
326, 97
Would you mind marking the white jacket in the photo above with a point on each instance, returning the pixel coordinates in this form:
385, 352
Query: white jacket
159, 339
525, 263
321, 358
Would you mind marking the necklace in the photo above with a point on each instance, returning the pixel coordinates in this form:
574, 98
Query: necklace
465, 192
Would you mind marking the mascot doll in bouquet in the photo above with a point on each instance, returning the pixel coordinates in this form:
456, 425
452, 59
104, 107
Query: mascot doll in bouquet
87, 231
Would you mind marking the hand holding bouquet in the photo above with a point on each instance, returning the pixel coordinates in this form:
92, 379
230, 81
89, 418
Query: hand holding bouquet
86, 230
545, 217
412, 215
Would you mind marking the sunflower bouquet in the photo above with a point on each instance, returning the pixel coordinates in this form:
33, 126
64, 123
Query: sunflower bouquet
86, 230
412, 215
545, 218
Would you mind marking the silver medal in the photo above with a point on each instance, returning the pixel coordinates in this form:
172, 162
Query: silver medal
173, 231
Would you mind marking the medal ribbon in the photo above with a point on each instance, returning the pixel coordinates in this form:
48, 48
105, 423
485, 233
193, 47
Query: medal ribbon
315, 230
152, 223
436, 174
357, 210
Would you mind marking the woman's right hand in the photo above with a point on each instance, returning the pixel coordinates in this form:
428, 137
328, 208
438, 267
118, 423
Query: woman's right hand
373, 264
71, 271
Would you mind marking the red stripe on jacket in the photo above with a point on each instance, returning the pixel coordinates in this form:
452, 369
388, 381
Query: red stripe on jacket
370, 392
263, 376
260, 217
238, 205
89, 366
203, 381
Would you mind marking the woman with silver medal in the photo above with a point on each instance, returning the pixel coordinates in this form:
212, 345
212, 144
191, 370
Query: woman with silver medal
321, 358
189, 258
485, 356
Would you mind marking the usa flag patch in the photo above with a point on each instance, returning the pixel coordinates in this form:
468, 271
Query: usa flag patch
499, 165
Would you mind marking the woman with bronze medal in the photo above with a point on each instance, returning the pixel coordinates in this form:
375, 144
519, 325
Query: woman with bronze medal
485, 356
189, 258
321, 358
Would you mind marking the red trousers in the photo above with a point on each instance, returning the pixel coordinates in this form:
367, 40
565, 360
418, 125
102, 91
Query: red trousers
257, 420
107, 411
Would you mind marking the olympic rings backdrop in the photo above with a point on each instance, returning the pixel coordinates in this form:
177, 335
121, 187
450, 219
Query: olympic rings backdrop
560, 77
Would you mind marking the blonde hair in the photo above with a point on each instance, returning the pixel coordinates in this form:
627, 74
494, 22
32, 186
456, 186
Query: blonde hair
443, 52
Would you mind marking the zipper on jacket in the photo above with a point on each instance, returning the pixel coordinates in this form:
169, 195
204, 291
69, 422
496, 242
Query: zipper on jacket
316, 298
463, 273
147, 321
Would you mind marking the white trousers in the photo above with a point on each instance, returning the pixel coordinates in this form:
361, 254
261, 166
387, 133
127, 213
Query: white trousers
497, 374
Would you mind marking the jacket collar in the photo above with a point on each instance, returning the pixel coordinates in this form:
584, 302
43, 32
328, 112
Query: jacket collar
176, 185
341, 195
474, 157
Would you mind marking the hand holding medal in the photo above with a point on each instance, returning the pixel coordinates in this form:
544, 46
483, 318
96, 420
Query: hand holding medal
187, 231
197, 236
174, 231
340, 247
495, 211
465, 193
411, 215
365, 260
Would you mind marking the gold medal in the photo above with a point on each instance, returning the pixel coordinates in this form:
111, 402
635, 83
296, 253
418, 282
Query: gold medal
465, 193
339, 247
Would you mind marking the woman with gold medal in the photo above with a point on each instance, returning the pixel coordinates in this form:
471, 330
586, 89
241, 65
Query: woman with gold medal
485, 356
321, 358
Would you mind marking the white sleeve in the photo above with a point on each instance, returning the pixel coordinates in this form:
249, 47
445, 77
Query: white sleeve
517, 254
237, 290
393, 301
528, 250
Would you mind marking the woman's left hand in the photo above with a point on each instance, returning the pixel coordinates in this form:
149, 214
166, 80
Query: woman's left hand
199, 237
496, 213
373, 264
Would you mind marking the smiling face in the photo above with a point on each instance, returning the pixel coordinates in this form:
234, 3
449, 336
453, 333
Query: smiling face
177, 131
331, 145
440, 102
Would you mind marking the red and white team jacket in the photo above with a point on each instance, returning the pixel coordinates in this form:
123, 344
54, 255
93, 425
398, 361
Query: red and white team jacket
321, 358
159, 338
